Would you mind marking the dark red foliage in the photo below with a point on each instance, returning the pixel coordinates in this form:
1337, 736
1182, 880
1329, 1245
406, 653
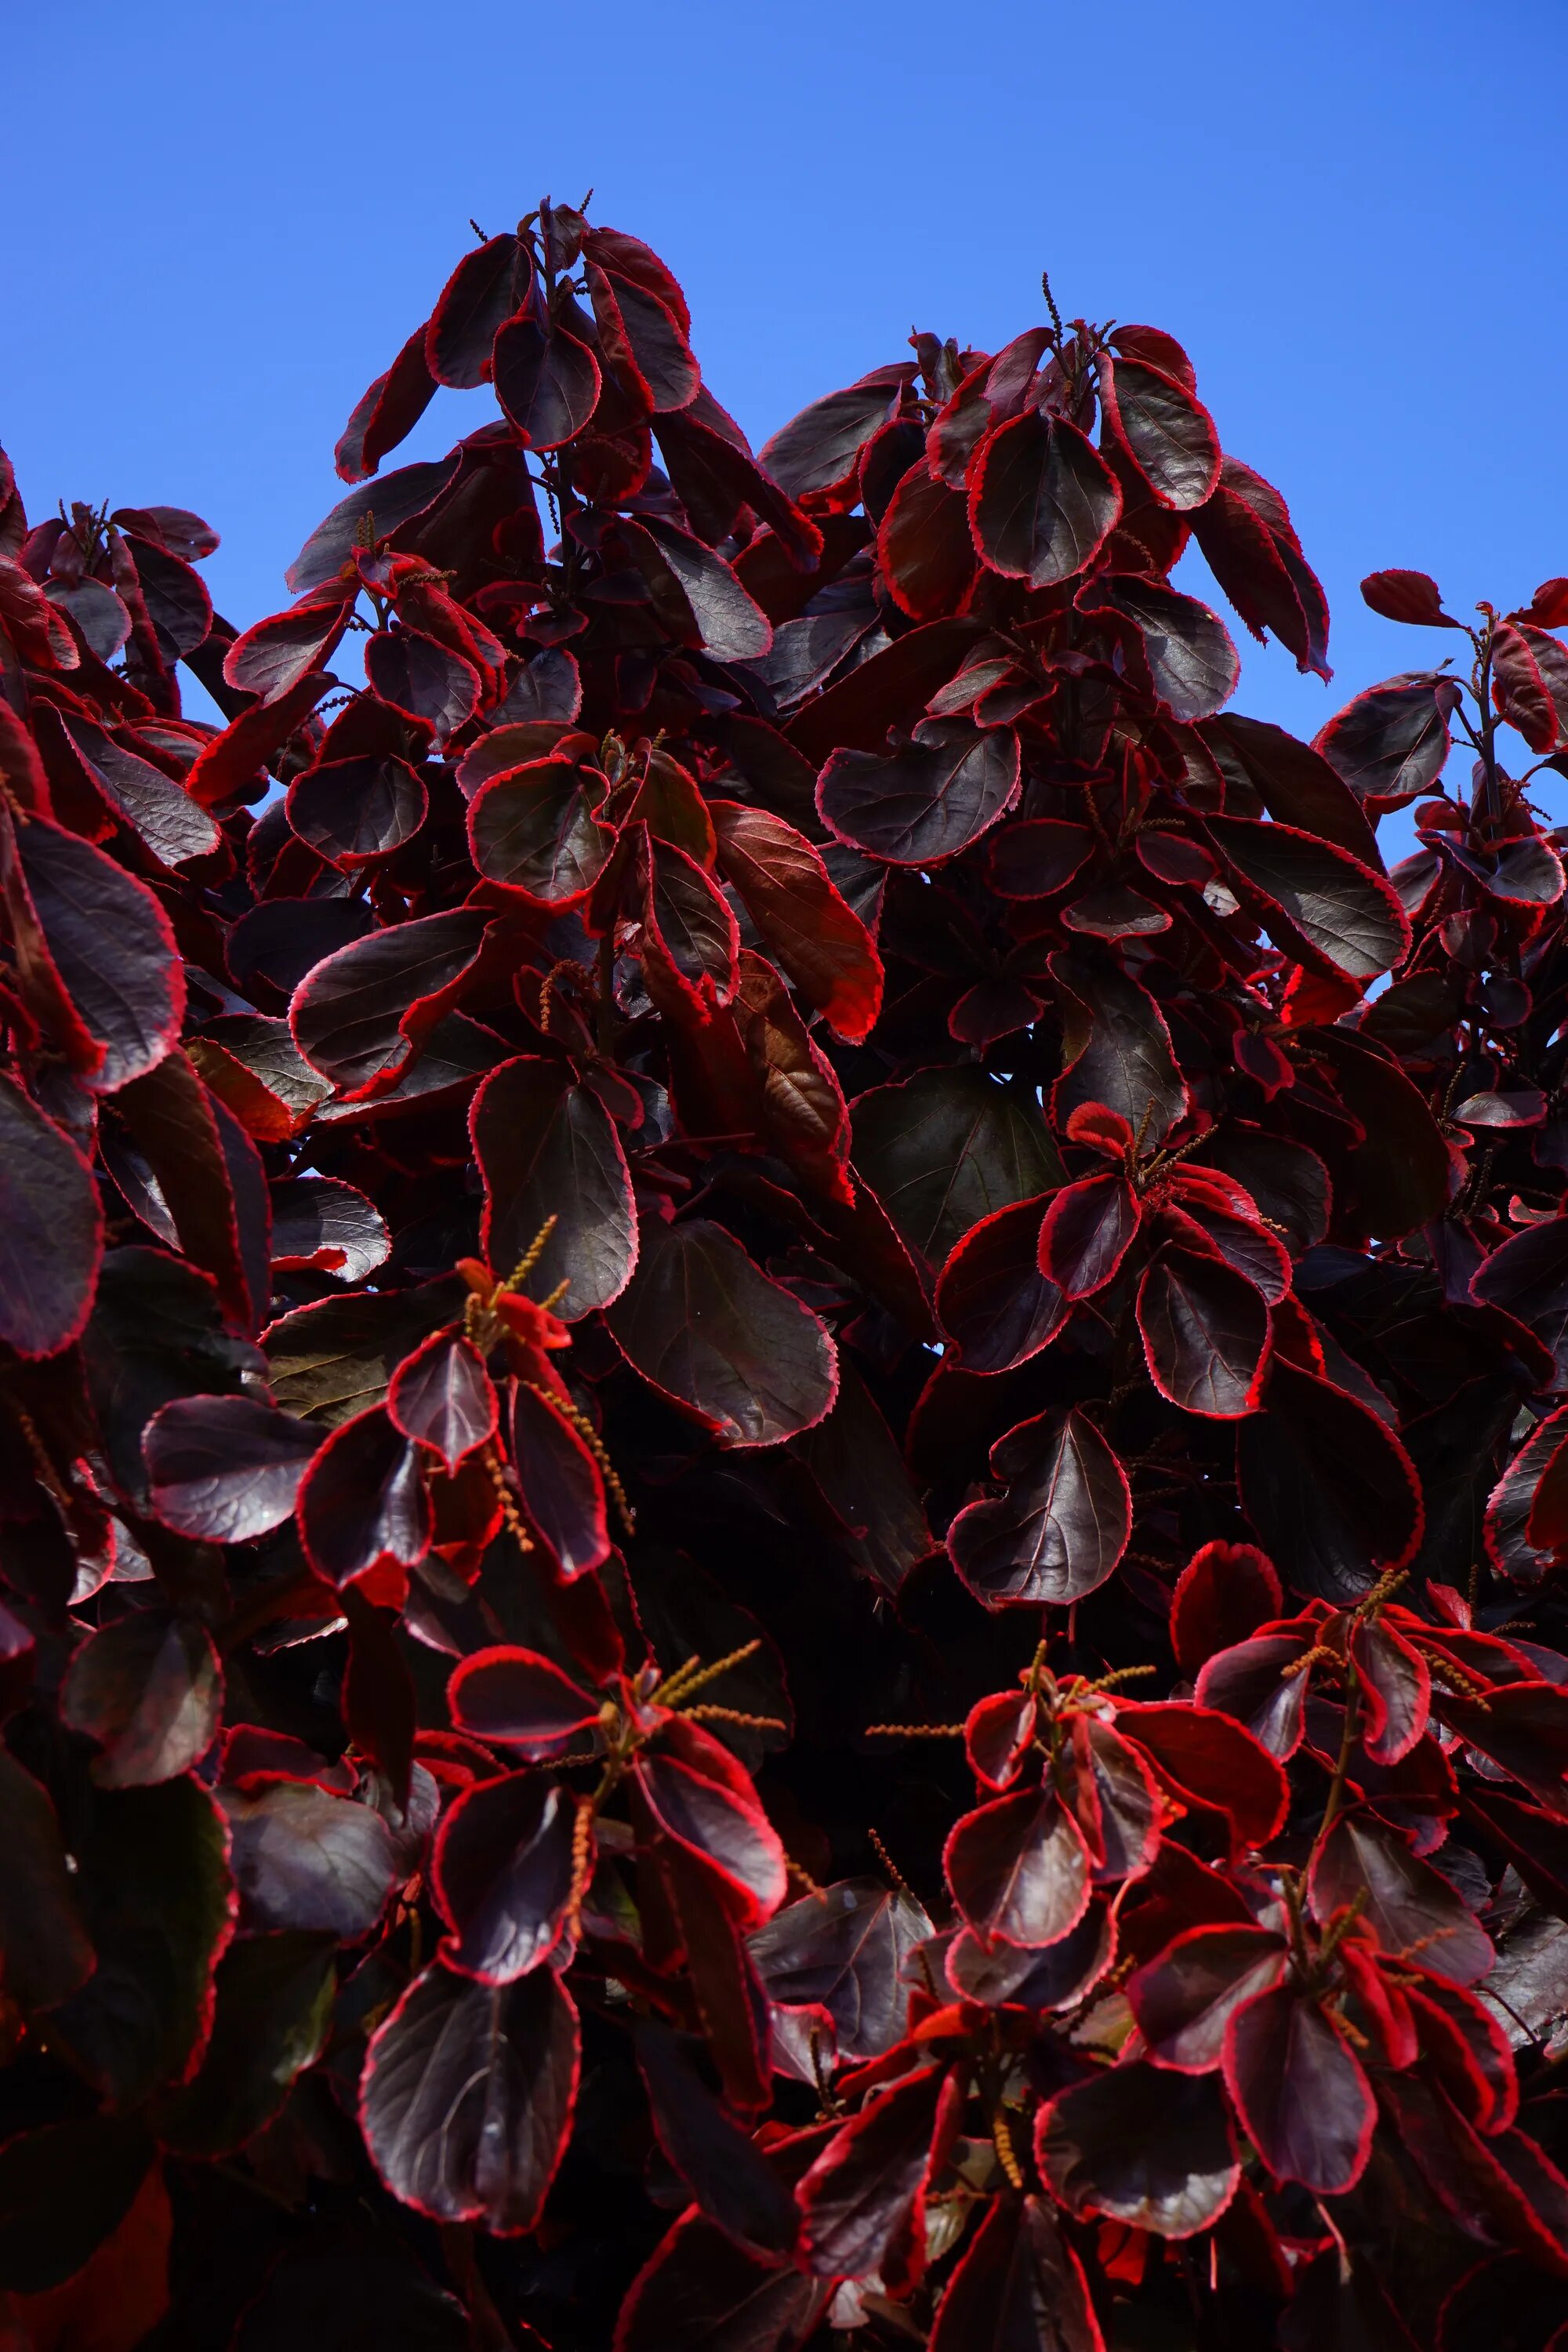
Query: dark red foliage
784, 1391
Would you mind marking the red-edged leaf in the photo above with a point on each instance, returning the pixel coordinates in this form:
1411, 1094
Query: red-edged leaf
1317, 903
477, 296
386, 412
729, 2175
1165, 429
859, 2193
148, 1690
466, 2098
1204, 1755
1060, 1527
1206, 1333
813, 931
549, 1149
820, 448
1143, 2147
843, 1951
322, 1223
1019, 1869
362, 1505
1086, 1233
547, 380
225, 1469
51, 1229
1392, 741
1413, 596
356, 809
361, 1015
1300, 2091
925, 802
1415, 1909
700, 1796
502, 1876
562, 1484
700, 2287
1042, 501
1184, 2001
992, 1300
534, 830
443, 1396
1019, 2287
519, 1699
1223, 1595
924, 547
1397, 1691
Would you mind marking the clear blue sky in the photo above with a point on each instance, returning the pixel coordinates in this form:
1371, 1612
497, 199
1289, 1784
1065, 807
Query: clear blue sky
223, 219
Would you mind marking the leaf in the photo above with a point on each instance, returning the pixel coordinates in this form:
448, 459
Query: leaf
992, 1302
819, 449
1204, 1330
1202, 1755
562, 1484
857, 1464
1297, 785
701, 2290
690, 941
1414, 1908
502, 1876
467, 2097
324, 1224
51, 1231
1316, 903
227, 764
1391, 742
1140, 2147
859, 2192
168, 820
308, 1861
45, 1951
1019, 1869
1184, 2001
1116, 1048
360, 1016
362, 1502
815, 934
443, 1396
699, 594
393, 501
1042, 501
476, 299
703, 1323
1330, 1493
154, 1878
643, 340
924, 547
1412, 596
1527, 1276
352, 810
723, 2166
1186, 649
701, 1797
209, 1180
148, 1690
331, 1360
1087, 1231
272, 2016
1223, 1595
386, 412
423, 678
844, 1951
1300, 2092
104, 954
1167, 433
155, 1333
521, 1700
1019, 2287
1060, 1527
546, 378
274, 655
533, 829
548, 1149
947, 1149
925, 802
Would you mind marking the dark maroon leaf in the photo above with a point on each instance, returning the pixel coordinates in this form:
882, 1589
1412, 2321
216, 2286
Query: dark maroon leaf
1223, 1595
149, 1691
534, 830
468, 2094
419, 676
702, 1323
1412, 596
1392, 741
1192, 664
860, 2191
992, 1300
726, 2171
45, 1950
1060, 1527
1042, 501
1413, 1906
1116, 1048
322, 1223
109, 949
1167, 433
519, 1698
443, 1396
549, 1149
475, 299
1139, 2145
949, 1148
701, 594
306, 1861
1206, 1333
562, 1484
843, 1951
1019, 2288
1315, 902
1184, 2001
362, 1504
360, 1016
699, 2288
351, 810
925, 802
51, 1229
173, 827
272, 2006
1086, 1233
1300, 2091
546, 378
812, 931
702, 1799
1330, 1491
818, 449
502, 1876
1019, 1869
386, 412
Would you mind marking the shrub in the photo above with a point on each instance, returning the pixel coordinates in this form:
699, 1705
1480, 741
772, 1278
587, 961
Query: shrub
782, 1461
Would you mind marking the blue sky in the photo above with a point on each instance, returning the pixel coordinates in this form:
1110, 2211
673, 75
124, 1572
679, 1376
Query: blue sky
224, 221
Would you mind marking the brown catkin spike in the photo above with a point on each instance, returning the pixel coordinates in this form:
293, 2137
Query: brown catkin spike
732, 1714
530, 1255
494, 1464
680, 1686
914, 1731
1006, 2157
581, 1861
